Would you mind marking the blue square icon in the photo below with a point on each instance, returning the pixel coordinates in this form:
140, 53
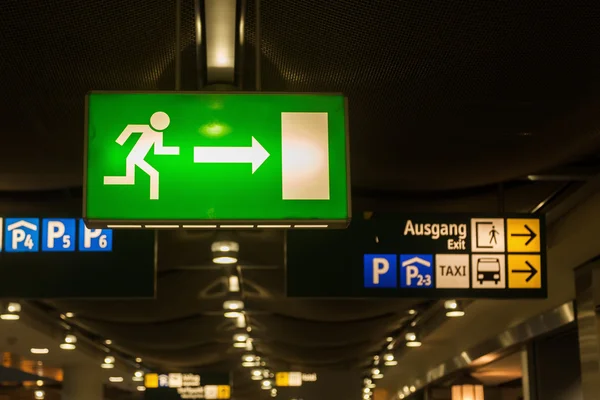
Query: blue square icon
94, 239
380, 270
58, 234
416, 271
21, 234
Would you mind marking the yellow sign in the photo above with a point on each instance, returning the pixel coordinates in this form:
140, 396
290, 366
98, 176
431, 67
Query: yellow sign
151, 381
524, 271
282, 379
523, 235
223, 392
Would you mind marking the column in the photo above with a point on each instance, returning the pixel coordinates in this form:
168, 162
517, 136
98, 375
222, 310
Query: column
587, 293
81, 383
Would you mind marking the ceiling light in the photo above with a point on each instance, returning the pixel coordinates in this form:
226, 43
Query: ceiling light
248, 357
413, 389
412, 340
115, 379
108, 342
39, 394
39, 383
375, 371
138, 374
69, 315
453, 309
391, 363
11, 312
240, 337
67, 346
367, 390
233, 305
256, 372
109, 360
39, 351
388, 357
225, 252
266, 384
273, 392
240, 322
389, 339
107, 366
412, 311
138, 360
141, 388
239, 345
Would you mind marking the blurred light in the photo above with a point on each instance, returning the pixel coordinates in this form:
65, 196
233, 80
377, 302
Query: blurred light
67, 346
39, 383
413, 389
391, 363
109, 360
141, 388
70, 339
108, 342
266, 384
389, 339
375, 371
240, 337
39, 394
234, 283
453, 309
11, 312
138, 360
69, 315
233, 305
239, 345
138, 374
39, 351
107, 366
232, 314
256, 372
388, 357
412, 312
115, 379
13, 308
240, 322
249, 357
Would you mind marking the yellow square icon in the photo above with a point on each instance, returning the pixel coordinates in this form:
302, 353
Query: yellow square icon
524, 271
282, 379
523, 235
223, 392
151, 381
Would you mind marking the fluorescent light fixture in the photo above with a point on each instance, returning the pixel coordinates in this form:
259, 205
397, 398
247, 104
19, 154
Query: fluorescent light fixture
115, 379
39, 351
234, 283
241, 337
67, 346
107, 366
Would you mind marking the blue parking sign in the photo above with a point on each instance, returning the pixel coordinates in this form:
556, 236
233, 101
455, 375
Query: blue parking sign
380, 271
416, 270
94, 239
58, 234
21, 234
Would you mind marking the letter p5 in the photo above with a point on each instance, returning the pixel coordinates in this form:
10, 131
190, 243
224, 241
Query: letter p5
380, 271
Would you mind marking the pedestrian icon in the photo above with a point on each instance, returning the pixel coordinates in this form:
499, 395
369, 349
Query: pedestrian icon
488, 271
152, 137
487, 235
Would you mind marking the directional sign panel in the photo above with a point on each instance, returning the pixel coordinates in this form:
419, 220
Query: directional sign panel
177, 386
436, 256
231, 160
58, 257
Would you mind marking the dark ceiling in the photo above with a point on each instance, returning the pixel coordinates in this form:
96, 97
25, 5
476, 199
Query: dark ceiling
447, 99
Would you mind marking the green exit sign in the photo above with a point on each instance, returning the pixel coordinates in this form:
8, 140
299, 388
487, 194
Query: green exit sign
216, 160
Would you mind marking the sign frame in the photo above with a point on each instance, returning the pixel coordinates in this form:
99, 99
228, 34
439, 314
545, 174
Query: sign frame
433, 292
217, 223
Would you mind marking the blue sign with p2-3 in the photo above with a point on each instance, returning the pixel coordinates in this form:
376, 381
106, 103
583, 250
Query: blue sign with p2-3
380, 270
416, 271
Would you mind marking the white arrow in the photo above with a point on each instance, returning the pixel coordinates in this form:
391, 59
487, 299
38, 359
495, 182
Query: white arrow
255, 155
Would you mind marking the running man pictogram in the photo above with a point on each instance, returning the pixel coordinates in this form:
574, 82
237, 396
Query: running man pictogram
152, 135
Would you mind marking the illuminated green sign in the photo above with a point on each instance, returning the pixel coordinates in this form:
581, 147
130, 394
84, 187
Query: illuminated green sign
216, 160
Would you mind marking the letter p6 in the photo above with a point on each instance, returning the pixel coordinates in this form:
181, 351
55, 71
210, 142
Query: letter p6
380, 271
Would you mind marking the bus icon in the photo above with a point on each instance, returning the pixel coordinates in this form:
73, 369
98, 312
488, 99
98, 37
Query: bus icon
488, 272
